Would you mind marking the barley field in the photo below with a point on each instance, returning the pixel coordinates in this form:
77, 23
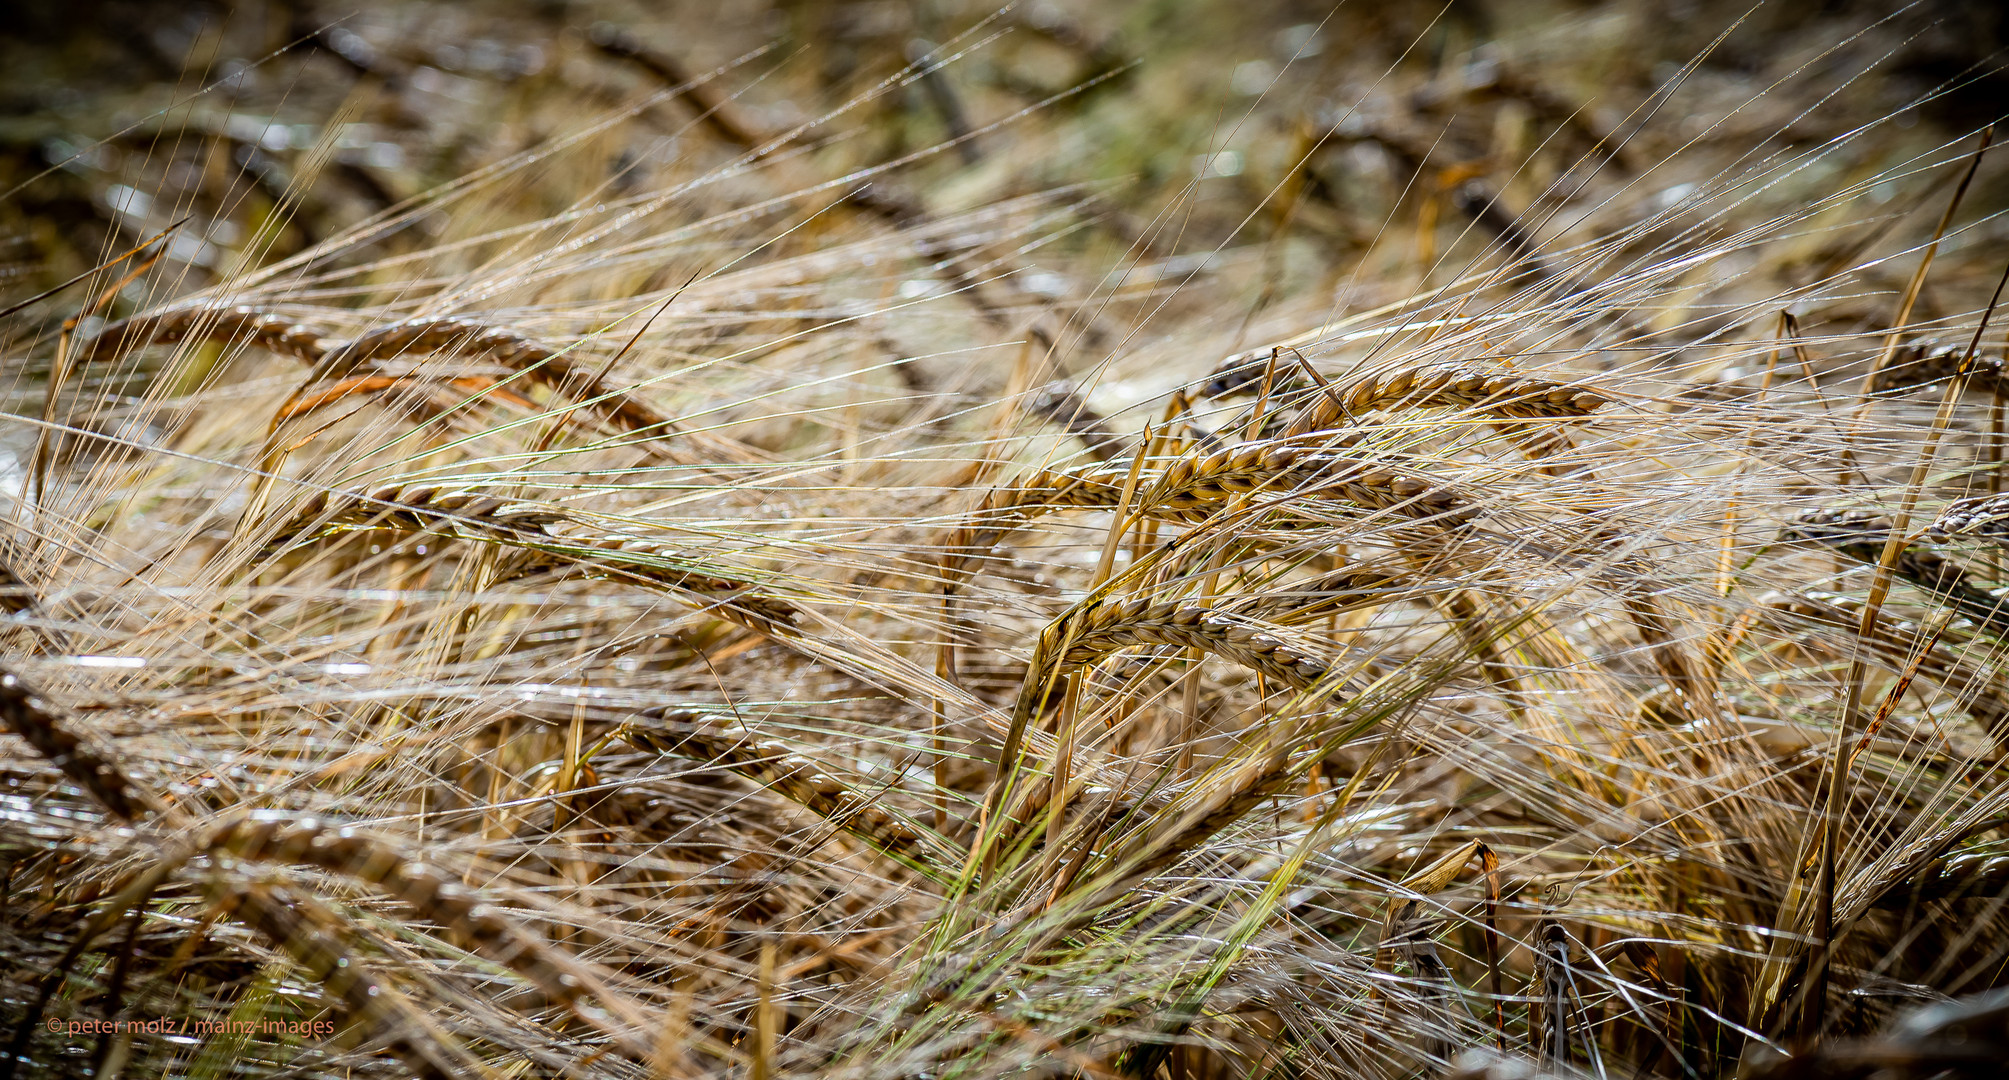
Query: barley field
928, 538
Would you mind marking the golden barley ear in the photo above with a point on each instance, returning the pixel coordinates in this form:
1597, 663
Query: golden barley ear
92, 767
554, 366
525, 530
435, 899
721, 739
1261, 647
227, 325
311, 934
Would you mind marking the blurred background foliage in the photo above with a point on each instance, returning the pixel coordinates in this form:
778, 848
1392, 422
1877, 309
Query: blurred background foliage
1328, 154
